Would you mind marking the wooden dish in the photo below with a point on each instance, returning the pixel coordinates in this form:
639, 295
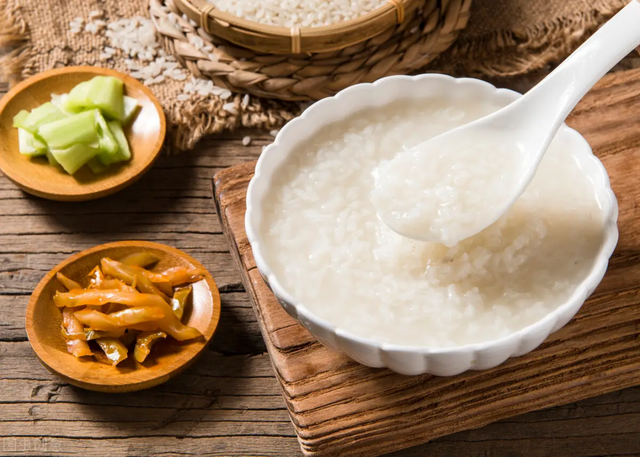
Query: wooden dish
168, 358
35, 176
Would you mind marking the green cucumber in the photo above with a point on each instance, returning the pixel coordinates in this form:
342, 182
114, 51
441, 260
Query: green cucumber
124, 152
19, 118
77, 129
102, 92
108, 144
60, 101
130, 109
30, 145
82, 127
78, 99
43, 114
75, 156
52, 160
96, 166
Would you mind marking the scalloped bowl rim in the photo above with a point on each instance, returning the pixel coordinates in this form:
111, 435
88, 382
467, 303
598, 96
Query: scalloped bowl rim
605, 195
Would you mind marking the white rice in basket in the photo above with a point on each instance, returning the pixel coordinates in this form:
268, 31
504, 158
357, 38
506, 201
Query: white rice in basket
298, 13
328, 248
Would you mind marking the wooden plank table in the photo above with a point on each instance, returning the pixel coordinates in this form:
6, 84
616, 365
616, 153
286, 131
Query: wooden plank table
229, 402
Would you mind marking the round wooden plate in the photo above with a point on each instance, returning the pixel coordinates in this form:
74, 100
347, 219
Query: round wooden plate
35, 176
167, 359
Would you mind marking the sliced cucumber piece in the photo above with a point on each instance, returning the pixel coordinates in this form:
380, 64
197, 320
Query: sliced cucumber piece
96, 166
77, 129
19, 118
52, 160
108, 144
60, 101
39, 116
78, 99
130, 109
30, 145
124, 152
74, 157
102, 92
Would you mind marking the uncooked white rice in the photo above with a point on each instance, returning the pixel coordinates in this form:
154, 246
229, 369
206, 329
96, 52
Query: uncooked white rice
298, 13
230, 108
135, 39
328, 248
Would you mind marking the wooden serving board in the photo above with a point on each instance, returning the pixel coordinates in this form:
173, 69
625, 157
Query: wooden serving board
339, 407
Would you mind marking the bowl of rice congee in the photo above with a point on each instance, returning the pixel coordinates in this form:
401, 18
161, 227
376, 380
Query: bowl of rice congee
412, 306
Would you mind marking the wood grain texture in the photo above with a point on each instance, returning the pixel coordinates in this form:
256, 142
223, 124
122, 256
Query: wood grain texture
145, 135
229, 402
43, 322
341, 408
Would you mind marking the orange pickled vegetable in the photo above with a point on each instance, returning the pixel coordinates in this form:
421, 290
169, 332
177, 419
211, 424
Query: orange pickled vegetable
179, 300
169, 323
96, 277
73, 336
102, 297
115, 351
95, 334
129, 337
144, 326
144, 344
164, 286
127, 273
147, 287
182, 275
140, 259
73, 326
116, 284
124, 303
112, 308
177, 329
108, 322
70, 284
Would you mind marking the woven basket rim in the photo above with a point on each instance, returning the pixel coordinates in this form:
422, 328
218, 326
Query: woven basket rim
403, 49
392, 12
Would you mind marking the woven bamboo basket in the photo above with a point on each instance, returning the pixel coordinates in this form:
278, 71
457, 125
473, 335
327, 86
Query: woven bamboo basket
426, 30
281, 40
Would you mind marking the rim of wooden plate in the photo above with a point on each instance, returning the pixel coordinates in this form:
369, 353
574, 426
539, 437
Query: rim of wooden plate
110, 182
144, 377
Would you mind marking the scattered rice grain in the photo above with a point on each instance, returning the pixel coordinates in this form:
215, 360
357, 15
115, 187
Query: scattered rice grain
230, 108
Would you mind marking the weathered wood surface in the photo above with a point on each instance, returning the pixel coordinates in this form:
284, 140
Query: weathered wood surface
340, 407
229, 402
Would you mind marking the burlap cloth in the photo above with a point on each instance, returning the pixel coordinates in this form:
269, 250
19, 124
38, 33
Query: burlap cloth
504, 38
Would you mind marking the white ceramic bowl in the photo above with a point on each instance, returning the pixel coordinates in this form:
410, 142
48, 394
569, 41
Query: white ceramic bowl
412, 360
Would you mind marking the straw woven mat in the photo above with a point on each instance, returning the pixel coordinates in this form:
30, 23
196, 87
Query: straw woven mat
504, 38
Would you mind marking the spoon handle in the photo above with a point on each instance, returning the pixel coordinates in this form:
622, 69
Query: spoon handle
563, 88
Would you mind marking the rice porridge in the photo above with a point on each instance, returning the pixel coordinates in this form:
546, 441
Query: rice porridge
328, 248
450, 190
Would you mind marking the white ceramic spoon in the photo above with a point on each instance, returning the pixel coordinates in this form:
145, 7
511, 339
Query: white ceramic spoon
420, 193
